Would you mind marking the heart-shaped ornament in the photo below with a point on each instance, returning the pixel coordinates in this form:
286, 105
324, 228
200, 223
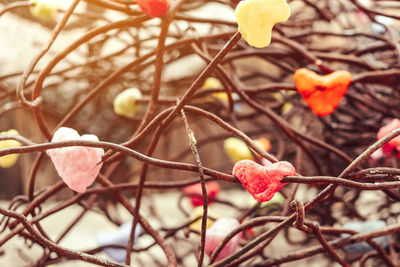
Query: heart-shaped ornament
195, 192
212, 83
78, 166
322, 93
198, 213
237, 150
119, 237
125, 103
44, 9
256, 18
9, 160
217, 232
154, 8
262, 181
395, 142
366, 227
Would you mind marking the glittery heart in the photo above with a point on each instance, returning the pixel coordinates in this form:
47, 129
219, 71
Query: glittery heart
217, 232
262, 181
78, 166
256, 18
195, 192
154, 8
322, 93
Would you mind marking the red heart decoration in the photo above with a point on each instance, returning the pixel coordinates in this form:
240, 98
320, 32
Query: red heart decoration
154, 8
262, 181
322, 93
195, 191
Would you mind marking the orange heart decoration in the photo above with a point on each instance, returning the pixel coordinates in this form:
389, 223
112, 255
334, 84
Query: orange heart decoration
322, 93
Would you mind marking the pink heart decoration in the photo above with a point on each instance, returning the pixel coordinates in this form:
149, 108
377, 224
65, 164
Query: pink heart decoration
217, 232
395, 142
78, 166
262, 181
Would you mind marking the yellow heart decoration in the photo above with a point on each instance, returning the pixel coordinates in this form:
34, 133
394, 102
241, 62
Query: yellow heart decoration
256, 18
277, 200
212, 83
197, 213
125, 102
238, 150
44, 9
9, 160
